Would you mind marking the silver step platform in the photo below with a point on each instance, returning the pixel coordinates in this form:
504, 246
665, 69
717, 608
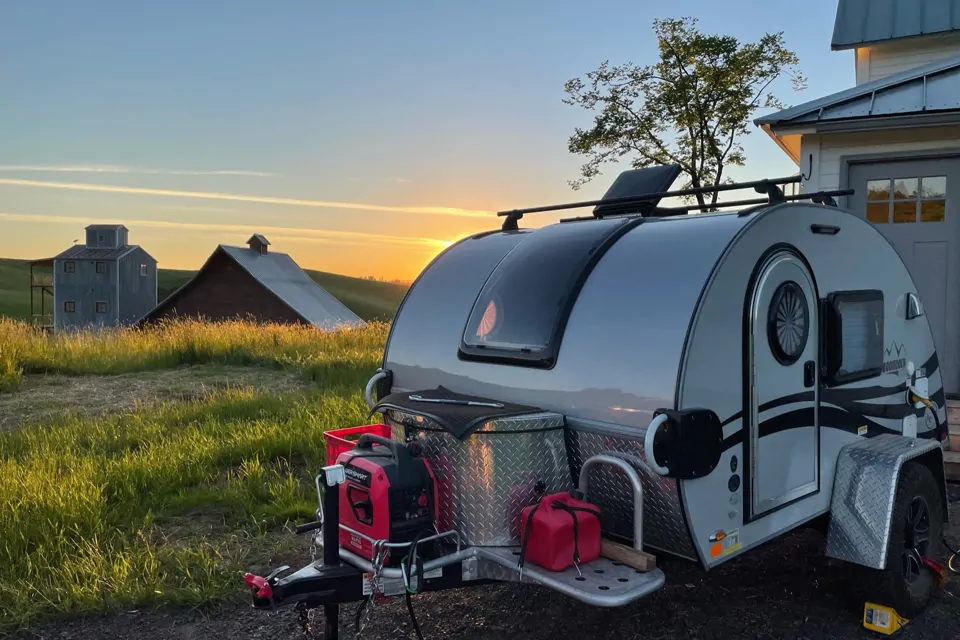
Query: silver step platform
603, 582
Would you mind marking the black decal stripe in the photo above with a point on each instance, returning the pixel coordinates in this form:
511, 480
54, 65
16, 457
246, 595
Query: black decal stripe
830, 418
839, 397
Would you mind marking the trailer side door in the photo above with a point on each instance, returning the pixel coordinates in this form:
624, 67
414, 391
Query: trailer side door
783, 438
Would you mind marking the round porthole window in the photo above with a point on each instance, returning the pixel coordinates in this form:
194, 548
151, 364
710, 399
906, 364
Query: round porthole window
788, 323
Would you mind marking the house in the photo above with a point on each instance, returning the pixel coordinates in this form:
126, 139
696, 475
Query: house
105, 282
894, 138
254, 283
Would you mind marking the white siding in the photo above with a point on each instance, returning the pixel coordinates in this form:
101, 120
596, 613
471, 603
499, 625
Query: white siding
828, 149
877, 62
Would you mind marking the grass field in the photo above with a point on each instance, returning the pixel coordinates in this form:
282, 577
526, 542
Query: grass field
369, 299
157, 466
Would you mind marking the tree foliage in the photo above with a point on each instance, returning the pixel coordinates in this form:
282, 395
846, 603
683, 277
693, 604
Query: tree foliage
692, 107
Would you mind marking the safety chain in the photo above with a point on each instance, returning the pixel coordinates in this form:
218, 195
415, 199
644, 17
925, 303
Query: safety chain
303, 617
376, 595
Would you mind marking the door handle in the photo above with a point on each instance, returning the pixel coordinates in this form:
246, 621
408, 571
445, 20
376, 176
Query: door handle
809, 373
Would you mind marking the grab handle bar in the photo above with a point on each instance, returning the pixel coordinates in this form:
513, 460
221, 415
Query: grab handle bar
648, 454
631, 473
368, 392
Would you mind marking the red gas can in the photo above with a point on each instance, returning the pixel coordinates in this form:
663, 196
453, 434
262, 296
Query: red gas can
559, 531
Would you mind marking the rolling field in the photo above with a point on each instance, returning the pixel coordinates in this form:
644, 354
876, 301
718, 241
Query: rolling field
369, 299
143, 472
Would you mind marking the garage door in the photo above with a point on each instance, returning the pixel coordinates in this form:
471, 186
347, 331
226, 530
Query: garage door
913, 203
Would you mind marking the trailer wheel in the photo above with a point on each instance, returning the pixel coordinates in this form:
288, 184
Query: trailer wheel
915, 530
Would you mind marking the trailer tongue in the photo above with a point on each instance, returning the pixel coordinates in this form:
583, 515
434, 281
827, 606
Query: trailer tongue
504, 511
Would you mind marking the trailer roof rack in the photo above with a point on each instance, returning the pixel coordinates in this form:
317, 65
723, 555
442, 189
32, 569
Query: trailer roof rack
645, 188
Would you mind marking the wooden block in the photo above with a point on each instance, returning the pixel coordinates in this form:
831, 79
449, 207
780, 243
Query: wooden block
639, 560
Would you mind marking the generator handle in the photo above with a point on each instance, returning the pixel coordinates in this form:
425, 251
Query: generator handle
367, 440
631, 473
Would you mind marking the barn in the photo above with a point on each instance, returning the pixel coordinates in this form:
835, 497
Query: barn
895, 139
104, 282
258, 284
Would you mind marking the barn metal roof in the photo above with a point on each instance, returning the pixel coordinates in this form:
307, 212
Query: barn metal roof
934, 87
863, 22
82, 252
284, 277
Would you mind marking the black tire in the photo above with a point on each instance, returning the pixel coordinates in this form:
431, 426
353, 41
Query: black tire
917, 524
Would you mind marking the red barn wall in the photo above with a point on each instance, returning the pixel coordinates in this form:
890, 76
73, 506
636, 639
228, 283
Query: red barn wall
225, 291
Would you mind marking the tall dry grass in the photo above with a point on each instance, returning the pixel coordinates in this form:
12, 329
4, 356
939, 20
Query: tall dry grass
169, 504
337, 357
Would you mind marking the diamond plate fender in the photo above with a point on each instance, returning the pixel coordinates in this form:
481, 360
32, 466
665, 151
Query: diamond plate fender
864, 487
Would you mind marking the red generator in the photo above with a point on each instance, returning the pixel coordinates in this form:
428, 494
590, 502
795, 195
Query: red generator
389, 494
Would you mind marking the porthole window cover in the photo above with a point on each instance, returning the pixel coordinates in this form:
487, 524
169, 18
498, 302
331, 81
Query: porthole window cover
788, 323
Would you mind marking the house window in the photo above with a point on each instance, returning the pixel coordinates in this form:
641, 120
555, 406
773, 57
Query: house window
69, 267
100, 238
101, 307
853, 336
143, 269
101, 267
907, 200
69, 306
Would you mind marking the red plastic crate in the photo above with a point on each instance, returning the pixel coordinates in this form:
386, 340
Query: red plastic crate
337, 441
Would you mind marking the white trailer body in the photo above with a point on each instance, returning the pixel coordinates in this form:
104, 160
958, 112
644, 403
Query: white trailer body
676, 313
752, 372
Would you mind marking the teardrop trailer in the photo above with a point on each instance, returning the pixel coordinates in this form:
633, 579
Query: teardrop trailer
690, 385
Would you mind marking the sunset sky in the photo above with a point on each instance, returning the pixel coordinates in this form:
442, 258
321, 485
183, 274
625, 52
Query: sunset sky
360, 137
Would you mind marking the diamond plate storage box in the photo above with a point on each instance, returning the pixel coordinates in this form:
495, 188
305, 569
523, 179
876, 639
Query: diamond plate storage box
489, 461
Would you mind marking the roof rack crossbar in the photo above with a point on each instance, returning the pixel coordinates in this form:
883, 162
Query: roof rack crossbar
762, 186
820, 197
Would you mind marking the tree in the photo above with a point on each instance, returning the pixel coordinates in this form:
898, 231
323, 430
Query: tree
702, 91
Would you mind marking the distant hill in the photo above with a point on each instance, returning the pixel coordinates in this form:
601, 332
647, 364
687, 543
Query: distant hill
369, 299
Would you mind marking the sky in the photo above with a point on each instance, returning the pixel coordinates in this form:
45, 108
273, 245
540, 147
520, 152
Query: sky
359, 137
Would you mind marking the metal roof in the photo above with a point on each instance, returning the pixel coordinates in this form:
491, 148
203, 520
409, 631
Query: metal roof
106, 226
863, 22
284, 277
259, 238
928, 89
82, 252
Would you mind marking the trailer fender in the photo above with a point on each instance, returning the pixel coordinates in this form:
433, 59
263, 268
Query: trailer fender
864, 487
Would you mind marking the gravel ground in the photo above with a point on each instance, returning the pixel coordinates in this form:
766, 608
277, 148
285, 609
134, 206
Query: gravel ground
786, 589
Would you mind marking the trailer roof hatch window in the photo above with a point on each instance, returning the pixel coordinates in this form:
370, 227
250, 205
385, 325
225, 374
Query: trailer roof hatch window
521, 312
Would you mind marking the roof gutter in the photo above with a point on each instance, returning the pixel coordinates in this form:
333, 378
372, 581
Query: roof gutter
870, 123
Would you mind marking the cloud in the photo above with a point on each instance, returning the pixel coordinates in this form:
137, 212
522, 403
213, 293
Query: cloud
184, 207
75, 186
87, 168
293, 234
400, 180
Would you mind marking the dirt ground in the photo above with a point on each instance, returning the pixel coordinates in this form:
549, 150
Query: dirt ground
43, 397
786, 590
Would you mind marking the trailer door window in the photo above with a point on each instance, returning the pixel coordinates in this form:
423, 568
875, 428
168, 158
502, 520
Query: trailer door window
522, 309
854, 334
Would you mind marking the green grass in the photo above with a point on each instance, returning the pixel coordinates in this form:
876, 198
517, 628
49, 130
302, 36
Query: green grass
168, 504
369, 299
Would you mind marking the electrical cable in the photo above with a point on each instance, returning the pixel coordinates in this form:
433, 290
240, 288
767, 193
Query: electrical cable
407, 565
